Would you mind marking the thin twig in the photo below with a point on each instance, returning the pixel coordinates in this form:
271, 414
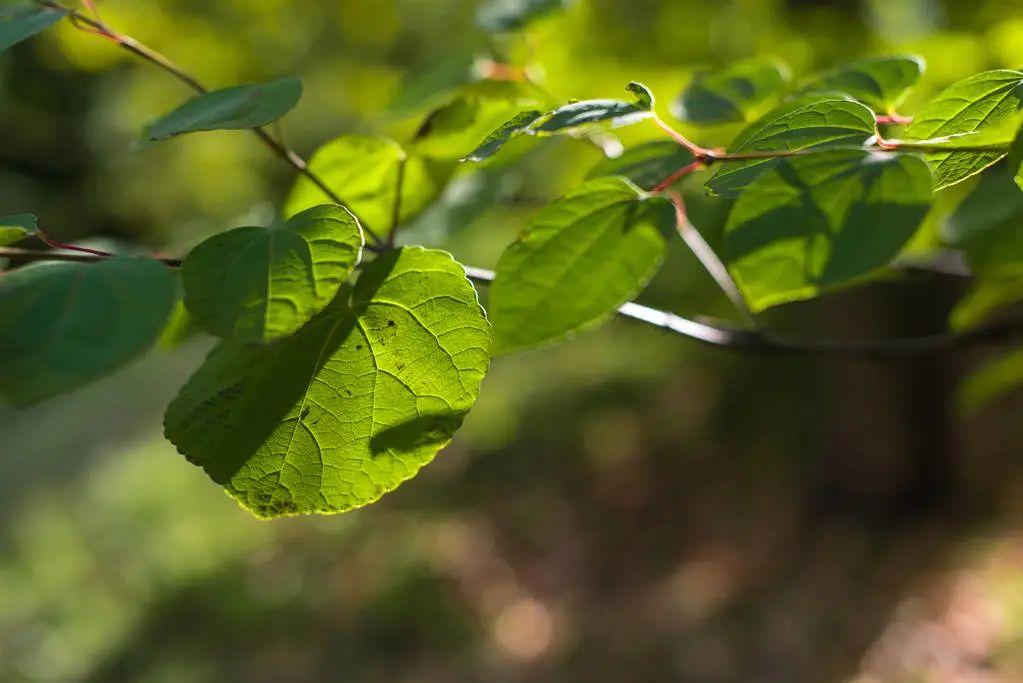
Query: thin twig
79, 256
281, 150
392, 234
765, 342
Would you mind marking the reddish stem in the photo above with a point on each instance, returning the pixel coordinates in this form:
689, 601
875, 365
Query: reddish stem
700, 153
70, 247
677, 175
894, 120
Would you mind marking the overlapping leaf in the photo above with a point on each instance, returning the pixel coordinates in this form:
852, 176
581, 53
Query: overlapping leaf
646, 164
16, 228
63, 325
240, 107
988, 225
21, 22
737, 93
258, 285
881, 83
985, 101
350, 407
805, 122
364, 172
569, 119
581, 258
818, 221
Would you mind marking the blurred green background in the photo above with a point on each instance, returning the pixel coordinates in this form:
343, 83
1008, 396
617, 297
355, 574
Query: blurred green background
626, 507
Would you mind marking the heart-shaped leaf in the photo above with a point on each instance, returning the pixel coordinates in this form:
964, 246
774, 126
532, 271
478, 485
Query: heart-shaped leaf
258, 285
645, 165
353, 405
737, 93
881, 83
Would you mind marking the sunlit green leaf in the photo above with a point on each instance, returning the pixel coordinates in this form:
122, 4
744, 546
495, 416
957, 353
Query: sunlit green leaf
812, 121
617, 112
353, 405
991, 382
455, 130
21, 22
240, 107
984, 101
512, 15
63, 325
363, 171
817, 221
737, 93
581, 258
1016, 159
260, 284
492, 144
646, 164
988, 296
988, 225
881, 83
16, 228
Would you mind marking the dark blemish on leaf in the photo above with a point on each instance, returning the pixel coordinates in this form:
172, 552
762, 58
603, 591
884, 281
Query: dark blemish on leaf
305, 413
390, 323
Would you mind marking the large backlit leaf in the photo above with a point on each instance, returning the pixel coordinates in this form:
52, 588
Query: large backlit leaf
21, 22
240, 107
16, 228
581, 258
63, 325
364, 172
737, 93
811, 121
817, 221
455, 130
985, 101
511, 15
881, 83
988, 225
646, 165
261, 284
350, 407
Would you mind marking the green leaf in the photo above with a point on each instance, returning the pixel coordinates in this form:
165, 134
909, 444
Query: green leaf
987, 225
258, 285
821, 220
501, 16
454, 130
733, 94
16, 228
240, 107
502, 135
573, 116
583, 256
568, 119
993, 381
1016, 159
645, 165
63, 325
21, 23
803, 123
988, 296
980, 102
881, 83
353, 405
364, 172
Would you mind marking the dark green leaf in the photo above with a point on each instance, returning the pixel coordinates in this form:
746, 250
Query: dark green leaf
988, 225
821, 220
1016, 159
581, 258
493, 143
991, 382
16, 228
737, 93
258, 285
63, 325
364, 172
646, 164
587, 112
23, 22
824, 121
989, 296
881, 83
353, 405
240, 107
455, 129
501, 16
985, 101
